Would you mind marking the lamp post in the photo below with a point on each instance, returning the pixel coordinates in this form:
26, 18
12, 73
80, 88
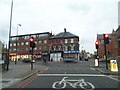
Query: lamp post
7, 61
16, 42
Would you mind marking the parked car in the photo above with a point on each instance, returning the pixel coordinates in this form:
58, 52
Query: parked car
26, 60
103, 60
69, 60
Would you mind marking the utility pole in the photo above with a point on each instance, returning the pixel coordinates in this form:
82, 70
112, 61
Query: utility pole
7, 61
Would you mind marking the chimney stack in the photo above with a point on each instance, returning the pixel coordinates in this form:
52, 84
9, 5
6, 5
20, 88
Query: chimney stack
65, 30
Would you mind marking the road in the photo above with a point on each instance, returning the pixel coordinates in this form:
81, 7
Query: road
73, 72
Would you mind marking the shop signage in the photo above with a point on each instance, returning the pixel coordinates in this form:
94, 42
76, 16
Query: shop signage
72, 52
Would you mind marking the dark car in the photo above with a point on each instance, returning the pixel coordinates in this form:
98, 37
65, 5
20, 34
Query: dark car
103, 60
69, 60
26, 60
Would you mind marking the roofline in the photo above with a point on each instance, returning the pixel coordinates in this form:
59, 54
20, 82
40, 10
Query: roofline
64, 37
31, 34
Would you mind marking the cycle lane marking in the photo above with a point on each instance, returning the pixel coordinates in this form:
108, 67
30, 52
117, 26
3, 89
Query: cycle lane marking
77, 82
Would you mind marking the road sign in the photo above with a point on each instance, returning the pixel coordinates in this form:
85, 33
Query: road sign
113, 65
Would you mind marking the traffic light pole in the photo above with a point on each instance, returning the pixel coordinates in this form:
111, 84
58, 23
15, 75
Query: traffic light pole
32, 60
105, 52
97, 57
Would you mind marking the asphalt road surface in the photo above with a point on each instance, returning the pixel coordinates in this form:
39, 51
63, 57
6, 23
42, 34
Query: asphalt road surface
59, 75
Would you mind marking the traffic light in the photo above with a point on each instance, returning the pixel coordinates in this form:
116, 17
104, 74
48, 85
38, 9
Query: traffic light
32, 43
97, 44
106, 38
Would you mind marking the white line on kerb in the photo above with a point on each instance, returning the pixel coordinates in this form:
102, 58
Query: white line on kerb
92, 75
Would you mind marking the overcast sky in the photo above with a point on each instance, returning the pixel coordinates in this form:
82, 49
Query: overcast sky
84, 18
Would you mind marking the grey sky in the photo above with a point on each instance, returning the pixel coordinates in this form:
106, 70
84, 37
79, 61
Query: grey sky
84, 18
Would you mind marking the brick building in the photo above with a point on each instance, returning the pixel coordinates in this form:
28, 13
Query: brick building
64, 44
113, 48
19, 45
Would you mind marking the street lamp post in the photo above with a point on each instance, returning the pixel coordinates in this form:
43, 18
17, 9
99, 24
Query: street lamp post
7, 61
16, 42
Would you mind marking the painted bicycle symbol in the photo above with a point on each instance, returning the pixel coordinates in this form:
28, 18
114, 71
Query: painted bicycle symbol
78, 83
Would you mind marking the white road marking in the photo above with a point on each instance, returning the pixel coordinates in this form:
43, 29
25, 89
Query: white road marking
90, 75
46, 69
92, 68
109, 76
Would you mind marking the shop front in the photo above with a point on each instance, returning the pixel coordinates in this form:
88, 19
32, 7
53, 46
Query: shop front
72, 54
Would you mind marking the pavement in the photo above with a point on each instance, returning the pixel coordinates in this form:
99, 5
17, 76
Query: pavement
18, 72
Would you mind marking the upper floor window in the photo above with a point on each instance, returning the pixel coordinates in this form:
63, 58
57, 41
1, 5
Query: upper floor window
43, 35
56, 41
45, 41
35, 48
26, 43
26, 37
18, 44
10, 44
14, 44
40, 42
34, 36
66, 41
72, 47
72, 40
52, 41
13, 38
22, 43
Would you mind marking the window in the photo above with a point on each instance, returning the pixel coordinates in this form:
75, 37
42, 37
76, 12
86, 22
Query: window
72, 47
14, 49
26, 43
43, 35
26, 37
26, 49
56, 41
66, 48
40, 48
10, 44
45, 41
18, 44
66, 41
14, 44
13, 38
61, 41
35, 48
36, 42
17, 38
22, 43
72, 40
40, 42
52, 41
34, 36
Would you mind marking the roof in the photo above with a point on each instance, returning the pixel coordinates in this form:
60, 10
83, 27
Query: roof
31, 34
64, 35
